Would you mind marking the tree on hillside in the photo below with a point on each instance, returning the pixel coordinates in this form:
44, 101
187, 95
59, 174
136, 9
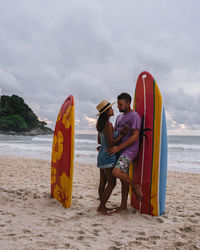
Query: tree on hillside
16, 115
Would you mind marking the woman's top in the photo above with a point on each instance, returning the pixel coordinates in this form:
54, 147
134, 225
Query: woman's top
104, 160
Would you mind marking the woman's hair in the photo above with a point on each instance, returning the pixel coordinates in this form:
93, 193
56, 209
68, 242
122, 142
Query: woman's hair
103, 118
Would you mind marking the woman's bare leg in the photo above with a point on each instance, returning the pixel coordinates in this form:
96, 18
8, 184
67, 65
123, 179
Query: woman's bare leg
107, 191
102, 183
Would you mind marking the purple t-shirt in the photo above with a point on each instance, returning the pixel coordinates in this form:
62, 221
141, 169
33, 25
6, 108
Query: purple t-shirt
133, 121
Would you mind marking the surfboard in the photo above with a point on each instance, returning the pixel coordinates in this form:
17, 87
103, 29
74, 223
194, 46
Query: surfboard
150, 167
62, 158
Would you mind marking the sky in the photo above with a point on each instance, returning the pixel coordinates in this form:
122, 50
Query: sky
95, 50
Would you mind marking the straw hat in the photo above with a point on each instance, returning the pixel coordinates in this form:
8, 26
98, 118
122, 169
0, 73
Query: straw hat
103, 106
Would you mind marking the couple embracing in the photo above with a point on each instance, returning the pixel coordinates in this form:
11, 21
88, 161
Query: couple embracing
119, 147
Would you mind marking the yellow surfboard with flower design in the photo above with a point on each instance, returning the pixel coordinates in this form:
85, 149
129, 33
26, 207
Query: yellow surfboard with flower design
62, 159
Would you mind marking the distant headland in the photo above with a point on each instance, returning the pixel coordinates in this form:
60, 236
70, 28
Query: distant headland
17, 118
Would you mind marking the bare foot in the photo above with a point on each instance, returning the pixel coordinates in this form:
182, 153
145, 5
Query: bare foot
102, 211
118, 210
138, 192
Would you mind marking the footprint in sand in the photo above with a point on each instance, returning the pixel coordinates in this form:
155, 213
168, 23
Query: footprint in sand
125, 231
160, 220
71, 237
179, 244
96, 232
186, 229
36, 196
81, 238
145, 216
75, 217
80, 213
133, 243
141, 238
8, 221
81, 232
175, 220
40, 235
193, 221
114, 248
154, 237
11, 234
26, 231
118, 243
142, 233
66, 245
96, 225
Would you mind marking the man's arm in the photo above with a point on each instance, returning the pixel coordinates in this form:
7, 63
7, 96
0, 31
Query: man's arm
125, 144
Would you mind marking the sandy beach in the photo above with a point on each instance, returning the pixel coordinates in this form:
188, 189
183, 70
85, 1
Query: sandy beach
30, 219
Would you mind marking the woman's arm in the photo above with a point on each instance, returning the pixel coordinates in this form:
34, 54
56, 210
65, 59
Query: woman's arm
98, 141
98, 138
109, 135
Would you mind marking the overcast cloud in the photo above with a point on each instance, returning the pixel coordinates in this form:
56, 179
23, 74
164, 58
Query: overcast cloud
96, 49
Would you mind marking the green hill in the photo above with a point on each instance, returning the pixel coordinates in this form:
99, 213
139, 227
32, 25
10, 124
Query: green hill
17, 116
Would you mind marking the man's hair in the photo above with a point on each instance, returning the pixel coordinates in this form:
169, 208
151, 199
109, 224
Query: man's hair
124, 96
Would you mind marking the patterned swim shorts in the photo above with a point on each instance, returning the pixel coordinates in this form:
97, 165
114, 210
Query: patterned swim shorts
123, 164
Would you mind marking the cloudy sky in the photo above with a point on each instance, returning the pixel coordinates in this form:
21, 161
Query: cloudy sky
96, 49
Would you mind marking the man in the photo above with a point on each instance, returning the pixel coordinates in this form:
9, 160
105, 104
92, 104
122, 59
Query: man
128, 148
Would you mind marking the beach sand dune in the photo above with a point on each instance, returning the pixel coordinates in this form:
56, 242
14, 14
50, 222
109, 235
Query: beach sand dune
30, 219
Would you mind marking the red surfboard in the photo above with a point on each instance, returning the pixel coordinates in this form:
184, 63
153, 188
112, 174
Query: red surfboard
62, 160
150, 167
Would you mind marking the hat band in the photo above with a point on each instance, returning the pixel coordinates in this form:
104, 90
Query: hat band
100, 111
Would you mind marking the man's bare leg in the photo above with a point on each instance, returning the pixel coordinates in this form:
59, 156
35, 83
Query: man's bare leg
124, 177
125, 190
138, 192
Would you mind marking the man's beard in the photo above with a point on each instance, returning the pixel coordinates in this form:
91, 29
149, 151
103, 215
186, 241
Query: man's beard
122, 110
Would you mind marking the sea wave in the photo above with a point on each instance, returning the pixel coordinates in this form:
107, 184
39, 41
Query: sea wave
86, 152
42, 139
183, 152
23, 147
184, 147
197, 163
85, 141
47, 139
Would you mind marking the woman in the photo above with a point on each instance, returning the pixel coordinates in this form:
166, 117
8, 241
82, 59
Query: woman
107, 137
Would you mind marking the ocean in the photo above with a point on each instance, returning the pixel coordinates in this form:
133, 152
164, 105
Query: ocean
183, 151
